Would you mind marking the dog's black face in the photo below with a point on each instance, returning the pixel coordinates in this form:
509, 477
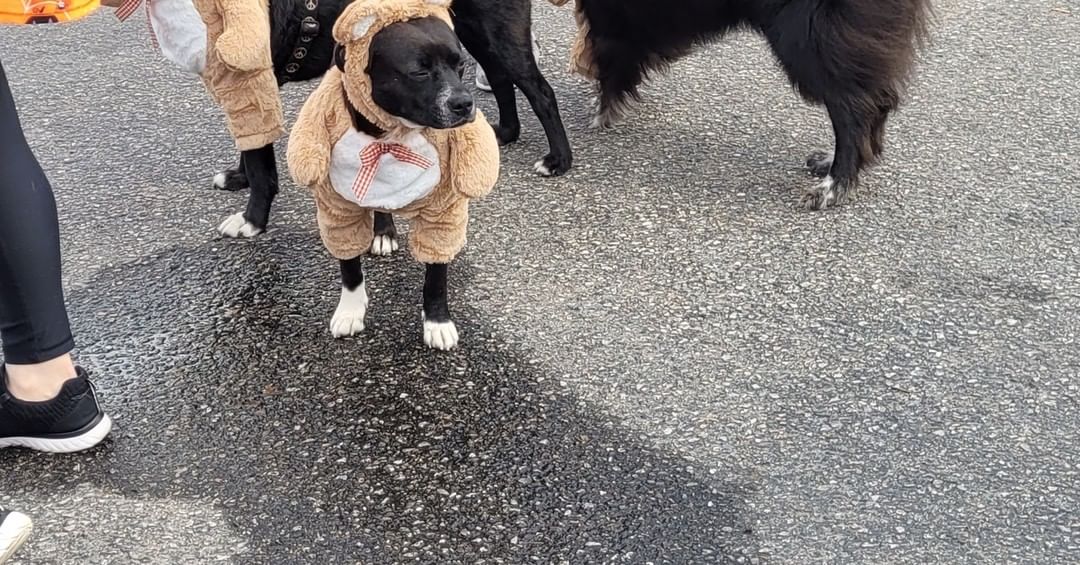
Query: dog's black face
416, 69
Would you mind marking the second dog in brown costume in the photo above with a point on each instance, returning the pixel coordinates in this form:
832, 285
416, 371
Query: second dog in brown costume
358, 158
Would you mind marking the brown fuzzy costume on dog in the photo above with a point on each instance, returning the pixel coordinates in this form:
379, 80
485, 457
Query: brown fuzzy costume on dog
239, 73
466, 158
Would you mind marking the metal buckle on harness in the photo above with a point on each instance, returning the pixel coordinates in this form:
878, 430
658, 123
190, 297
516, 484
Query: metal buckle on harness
309, 27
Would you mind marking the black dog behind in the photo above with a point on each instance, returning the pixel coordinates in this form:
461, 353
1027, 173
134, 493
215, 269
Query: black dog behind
497, 33
853, 56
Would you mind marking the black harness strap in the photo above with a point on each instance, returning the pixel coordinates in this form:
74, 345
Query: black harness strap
309, 30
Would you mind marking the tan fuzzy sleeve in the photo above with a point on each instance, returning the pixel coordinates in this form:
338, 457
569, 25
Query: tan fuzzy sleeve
474, 158
311, 140
244, 44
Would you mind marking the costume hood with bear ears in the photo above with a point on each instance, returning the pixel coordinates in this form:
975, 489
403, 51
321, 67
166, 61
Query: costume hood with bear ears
355, 29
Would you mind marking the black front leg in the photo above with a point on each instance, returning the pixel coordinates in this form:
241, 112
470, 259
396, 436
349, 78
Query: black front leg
439, 330
352, 273
352, 307
260, 167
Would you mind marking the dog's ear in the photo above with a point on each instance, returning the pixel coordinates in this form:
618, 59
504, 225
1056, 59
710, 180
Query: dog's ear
339, 56
356, 21
358, 18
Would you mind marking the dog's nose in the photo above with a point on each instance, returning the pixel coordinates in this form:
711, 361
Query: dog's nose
461, 104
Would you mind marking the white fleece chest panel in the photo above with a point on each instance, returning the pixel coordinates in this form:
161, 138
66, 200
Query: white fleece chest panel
376, 174
180, 33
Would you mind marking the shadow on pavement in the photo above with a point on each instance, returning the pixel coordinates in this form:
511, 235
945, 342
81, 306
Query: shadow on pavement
218, 366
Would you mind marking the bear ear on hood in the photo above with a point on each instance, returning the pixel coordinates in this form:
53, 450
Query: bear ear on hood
356, 21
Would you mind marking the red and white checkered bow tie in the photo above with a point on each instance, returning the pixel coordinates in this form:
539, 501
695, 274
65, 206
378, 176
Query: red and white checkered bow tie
127, 8
369, 163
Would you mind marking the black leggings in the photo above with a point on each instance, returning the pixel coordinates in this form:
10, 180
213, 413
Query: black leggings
33, 322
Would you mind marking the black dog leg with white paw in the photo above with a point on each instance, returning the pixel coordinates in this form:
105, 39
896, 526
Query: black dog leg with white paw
260, 167
348, 319
385, 242
439, 330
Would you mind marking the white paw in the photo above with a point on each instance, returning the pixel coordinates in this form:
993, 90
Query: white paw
602, 121
440, 335
541, 169
384, 245
237, 226
349, 317
827, 192
219, 181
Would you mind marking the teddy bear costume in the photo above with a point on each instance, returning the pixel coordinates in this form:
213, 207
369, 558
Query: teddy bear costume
425, 175
226, 43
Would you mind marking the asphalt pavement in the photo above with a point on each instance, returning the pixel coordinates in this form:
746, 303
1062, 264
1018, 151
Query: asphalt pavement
664, 359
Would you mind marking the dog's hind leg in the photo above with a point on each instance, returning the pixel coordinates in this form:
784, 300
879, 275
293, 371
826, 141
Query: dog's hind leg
852, 130
508, 128
504, 50
261, 168
819, 163
232, 179
439, 330
385, 242
619, 74
479, 45
514, 57
526, 75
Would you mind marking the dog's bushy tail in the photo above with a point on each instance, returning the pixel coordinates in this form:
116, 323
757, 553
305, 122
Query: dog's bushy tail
876, 38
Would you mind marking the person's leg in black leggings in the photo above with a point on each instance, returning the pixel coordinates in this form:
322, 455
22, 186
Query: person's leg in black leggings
46, 402
33, 321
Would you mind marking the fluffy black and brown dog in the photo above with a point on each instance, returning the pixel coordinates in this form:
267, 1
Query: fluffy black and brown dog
497, 33
852, 56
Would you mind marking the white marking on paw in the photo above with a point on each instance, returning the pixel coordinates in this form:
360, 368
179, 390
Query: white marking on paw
384, 245
237, 226
828, 194
541, 169
219, 180
349, 317
440, 335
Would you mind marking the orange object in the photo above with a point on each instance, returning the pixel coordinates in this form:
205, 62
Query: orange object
19, 12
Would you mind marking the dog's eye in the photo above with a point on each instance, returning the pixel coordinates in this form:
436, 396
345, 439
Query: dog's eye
419, 75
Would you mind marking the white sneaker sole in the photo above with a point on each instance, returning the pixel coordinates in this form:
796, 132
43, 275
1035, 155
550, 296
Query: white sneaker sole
81, 442
13, 533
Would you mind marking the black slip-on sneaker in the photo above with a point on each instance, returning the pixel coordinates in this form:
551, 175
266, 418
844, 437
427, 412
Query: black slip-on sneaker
73, 421
14, 530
